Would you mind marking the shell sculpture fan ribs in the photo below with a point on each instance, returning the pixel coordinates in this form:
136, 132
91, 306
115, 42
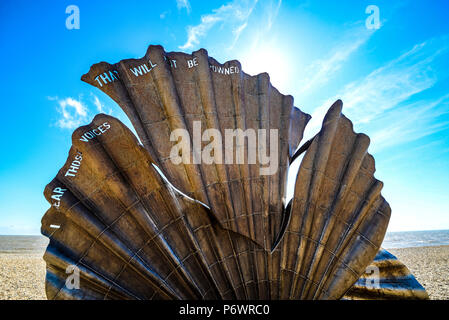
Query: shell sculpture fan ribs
137, 224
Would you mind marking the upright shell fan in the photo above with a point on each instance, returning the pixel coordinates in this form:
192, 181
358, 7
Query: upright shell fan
163, 92
229, 234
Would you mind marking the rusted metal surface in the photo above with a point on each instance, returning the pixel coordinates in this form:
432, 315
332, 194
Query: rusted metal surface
121, 225
338, 217
163, 92
132, 235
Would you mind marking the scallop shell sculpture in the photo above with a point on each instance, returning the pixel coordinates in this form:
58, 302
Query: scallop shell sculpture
219, 230
163, 92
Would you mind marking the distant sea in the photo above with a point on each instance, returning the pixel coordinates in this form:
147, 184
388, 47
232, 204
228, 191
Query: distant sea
406, 239
23, 244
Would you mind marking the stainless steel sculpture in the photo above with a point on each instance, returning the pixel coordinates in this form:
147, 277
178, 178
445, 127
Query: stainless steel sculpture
230, 234
163, 92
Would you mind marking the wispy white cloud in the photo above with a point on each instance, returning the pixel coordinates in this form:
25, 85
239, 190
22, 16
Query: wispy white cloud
164, 14
380, 101
195, 32
101, 107
74, 112
322, 70
272, 14
384, 104
234, 14
98, 104
237, 31
411, 122
184, 4
393, 83
267, 14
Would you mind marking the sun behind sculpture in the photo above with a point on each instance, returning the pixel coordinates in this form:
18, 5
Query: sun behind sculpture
228, 233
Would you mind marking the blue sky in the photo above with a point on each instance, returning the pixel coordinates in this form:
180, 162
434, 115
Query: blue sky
393, 82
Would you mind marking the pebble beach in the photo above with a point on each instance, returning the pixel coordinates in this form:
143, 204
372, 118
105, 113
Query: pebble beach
22, 276
430, 266
22, 270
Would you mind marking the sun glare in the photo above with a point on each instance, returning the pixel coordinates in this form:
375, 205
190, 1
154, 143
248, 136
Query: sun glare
268, 58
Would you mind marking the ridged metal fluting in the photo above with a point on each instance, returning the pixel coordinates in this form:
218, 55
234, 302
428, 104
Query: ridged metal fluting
387, 278
210, 231
119, 224
338, 217
163, 92
134, 237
